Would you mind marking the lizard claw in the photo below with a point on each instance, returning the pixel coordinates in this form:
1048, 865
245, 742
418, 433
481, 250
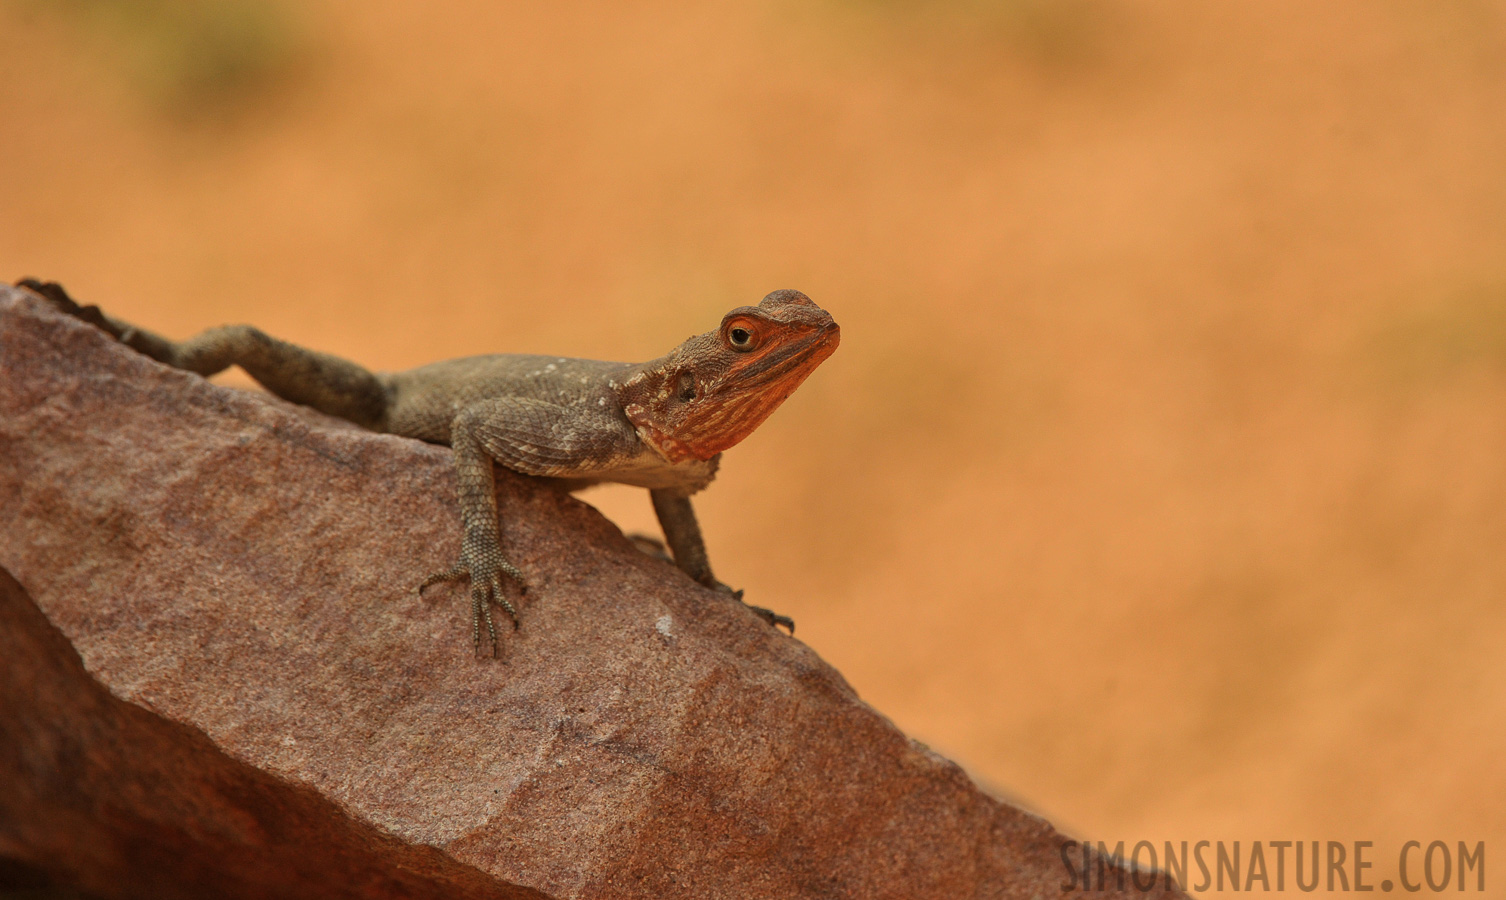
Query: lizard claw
454, 573
773, 618
768, 615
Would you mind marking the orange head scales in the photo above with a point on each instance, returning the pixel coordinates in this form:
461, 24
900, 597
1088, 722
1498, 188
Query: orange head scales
716, 388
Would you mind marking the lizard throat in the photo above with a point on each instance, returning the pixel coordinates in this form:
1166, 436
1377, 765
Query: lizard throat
666, 445
714, 424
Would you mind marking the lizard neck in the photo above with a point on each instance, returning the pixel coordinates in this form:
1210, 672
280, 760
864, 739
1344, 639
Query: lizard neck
643, 392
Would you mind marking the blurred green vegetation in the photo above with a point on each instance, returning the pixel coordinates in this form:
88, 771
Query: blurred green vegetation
191, 59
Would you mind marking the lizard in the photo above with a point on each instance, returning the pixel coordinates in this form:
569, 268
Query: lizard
660, 425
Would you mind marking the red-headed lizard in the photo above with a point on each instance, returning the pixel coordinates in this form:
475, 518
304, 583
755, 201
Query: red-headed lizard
660, 425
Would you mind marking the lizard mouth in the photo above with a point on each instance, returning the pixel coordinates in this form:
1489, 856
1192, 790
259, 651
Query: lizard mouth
806, 354
723, 421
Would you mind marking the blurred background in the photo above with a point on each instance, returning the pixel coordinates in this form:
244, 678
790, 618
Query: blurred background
1160, 479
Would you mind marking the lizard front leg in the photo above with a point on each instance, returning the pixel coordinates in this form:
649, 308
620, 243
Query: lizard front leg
530, 436
683, 534
481, 558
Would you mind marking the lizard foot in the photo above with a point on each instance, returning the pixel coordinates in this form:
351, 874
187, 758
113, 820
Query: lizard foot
144, 342
768, 615
773, 618
485, 576
54, 294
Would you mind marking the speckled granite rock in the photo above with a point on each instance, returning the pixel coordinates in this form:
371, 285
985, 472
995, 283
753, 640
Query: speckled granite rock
243, 569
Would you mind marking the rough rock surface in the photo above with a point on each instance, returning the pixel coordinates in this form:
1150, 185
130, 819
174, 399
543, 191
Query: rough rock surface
238, 574
106, 796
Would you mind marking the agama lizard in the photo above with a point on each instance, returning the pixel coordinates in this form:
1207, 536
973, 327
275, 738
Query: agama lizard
660, 425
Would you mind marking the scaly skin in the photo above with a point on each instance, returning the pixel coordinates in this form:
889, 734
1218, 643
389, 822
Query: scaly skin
660, 425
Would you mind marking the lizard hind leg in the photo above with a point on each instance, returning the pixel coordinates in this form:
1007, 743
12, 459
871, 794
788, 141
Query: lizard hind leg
683, 534
327, 383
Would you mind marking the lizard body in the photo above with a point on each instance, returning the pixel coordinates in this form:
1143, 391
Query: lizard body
660, 425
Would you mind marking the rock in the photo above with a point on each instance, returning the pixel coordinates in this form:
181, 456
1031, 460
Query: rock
236, 575
104, 795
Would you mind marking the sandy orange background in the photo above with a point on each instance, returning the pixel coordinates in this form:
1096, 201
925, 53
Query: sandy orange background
1161, 476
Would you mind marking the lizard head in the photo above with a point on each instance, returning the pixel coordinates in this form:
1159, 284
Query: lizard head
713, 390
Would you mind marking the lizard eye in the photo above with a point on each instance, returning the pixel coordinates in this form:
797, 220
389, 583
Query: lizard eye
741, 335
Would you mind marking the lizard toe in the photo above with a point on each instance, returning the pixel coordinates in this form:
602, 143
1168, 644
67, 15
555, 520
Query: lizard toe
454, 573
481, 612
485, 573
501, 599
774, 619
